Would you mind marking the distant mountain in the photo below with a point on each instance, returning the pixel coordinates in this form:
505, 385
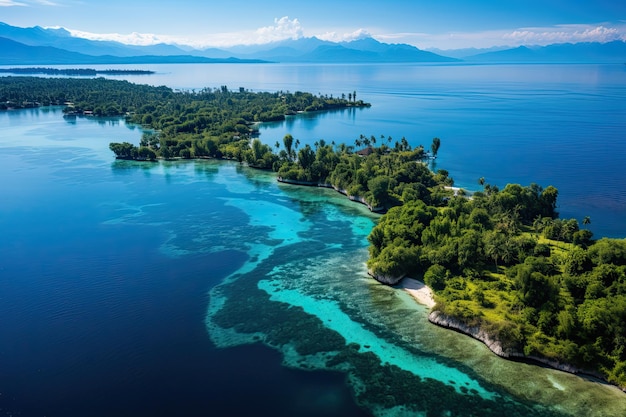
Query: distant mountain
62, 39
16, 53
58, 46
66, 48
288, 47
587, 52
316, 50
465, 52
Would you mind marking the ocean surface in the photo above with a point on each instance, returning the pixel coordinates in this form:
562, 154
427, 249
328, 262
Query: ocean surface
205, 288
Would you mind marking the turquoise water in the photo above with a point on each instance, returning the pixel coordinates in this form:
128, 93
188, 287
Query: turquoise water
180, 287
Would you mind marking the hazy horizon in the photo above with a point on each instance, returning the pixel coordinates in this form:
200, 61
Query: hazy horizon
445, 25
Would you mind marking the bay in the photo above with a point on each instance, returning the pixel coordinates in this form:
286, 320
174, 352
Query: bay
113, 272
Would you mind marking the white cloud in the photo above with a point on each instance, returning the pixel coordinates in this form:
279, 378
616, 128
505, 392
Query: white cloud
283, 28
133, 38
345, 37
11, 3
515, 37
564, 34
46, 3
286, 28
27, 3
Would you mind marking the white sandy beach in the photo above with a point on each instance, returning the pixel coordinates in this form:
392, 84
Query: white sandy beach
419, 291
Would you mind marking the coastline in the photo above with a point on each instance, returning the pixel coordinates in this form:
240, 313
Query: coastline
423, 295
476, 332
357, 198
419, 291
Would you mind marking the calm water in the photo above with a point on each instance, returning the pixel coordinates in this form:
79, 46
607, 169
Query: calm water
185, 288
560, 125
104, 280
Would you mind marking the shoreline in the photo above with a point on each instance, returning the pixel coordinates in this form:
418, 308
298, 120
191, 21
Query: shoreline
493, 344
423, 295
419, 291
357, 199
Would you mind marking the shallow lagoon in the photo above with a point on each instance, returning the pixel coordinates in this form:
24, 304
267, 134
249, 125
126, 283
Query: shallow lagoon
119, 279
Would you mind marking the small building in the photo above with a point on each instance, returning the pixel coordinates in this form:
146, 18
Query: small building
366, 151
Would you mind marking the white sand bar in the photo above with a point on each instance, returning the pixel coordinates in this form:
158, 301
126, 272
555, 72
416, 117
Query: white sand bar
418, 290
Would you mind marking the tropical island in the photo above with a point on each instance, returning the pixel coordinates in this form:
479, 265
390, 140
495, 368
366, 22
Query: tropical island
503, 266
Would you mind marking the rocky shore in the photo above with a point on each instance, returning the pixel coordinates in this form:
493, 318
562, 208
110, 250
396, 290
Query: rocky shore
449, 322
385, 279
356, 198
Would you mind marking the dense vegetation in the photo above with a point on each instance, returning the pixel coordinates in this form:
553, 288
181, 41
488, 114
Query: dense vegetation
501, 260
380, 177
99, 96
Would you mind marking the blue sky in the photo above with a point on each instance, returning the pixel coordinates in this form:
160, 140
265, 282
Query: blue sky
441, 24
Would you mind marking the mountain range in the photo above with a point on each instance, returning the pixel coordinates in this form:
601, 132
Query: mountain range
45, 46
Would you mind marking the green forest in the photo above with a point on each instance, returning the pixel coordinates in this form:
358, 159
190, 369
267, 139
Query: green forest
500, 259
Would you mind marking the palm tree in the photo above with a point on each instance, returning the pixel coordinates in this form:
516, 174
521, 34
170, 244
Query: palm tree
288, 141
495, 246
587, 220
435, 146
405, 144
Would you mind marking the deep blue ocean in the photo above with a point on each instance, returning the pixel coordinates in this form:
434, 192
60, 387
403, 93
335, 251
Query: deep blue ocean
205, 288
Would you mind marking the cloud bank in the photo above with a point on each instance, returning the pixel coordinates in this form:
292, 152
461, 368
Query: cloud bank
286, 28
566, 33
541, 36
346, 37
283, 28
134, 38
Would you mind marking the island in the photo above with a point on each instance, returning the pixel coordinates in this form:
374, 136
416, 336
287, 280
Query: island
501, 264
88, 72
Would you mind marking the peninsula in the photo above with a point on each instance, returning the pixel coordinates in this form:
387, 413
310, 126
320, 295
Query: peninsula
503, 266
